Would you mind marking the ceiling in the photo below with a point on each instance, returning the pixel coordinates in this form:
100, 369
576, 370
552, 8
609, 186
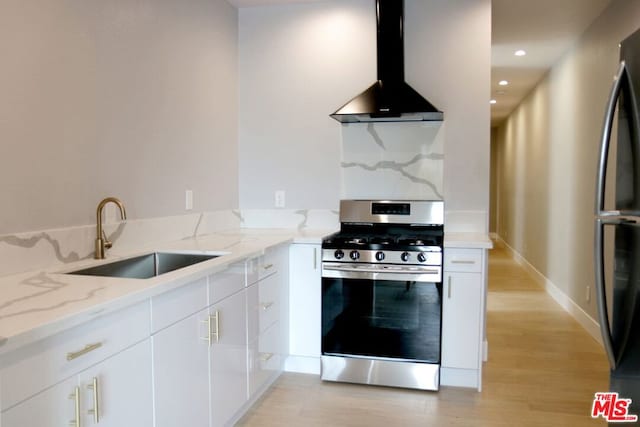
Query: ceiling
545, 29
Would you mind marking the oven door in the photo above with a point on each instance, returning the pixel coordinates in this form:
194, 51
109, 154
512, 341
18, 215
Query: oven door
371, 312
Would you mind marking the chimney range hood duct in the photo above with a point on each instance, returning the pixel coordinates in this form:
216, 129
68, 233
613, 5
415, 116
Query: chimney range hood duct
390, 98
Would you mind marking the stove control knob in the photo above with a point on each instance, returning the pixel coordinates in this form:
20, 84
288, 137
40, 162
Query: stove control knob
354, 255
422, 257
404, 256
379, 256
338, 254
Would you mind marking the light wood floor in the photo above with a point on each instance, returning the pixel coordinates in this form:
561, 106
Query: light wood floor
543, 370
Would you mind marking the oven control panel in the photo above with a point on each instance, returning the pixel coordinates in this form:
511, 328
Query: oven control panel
430, 257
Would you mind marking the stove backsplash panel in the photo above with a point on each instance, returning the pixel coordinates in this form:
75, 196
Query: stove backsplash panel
392, 161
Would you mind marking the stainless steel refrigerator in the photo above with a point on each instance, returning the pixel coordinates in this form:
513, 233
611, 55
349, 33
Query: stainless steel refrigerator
617, 227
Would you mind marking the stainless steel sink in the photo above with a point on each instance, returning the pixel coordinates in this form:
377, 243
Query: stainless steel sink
145, 266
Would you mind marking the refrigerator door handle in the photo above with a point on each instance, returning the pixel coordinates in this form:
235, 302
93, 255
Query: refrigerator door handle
603, 315
606, 139
605, 217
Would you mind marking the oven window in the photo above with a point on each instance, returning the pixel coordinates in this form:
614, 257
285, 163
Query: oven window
381, 318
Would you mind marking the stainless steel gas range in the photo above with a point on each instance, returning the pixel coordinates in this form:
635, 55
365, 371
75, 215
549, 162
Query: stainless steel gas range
382, 294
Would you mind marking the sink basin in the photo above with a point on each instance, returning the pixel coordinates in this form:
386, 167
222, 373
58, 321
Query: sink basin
145, 266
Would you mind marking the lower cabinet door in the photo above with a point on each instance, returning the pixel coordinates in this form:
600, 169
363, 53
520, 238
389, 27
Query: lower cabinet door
461, 320
118, 392
51, 408
114, 393
181, 373
229, 359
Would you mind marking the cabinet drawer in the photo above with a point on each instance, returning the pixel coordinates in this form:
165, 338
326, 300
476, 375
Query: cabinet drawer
273, 260
226, 283
463, 260
263, 305
268, 304
269, 264
178, 304
42, 364
265, 358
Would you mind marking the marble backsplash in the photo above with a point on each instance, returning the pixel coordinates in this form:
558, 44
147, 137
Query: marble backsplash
315, 219
50, 248
400, 161
57, 247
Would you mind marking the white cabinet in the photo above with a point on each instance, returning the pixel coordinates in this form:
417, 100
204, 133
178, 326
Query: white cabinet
181, 372
118, 391
228, 358
461, 320
200, 354
208, 362
304, 308
52, 408
463, 317
38, 379
267, 308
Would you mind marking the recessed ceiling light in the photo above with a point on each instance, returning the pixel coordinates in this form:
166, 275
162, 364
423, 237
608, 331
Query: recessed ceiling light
493, 101
503, 82
520, 52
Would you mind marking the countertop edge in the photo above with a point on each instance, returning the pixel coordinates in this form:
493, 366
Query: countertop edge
467, 240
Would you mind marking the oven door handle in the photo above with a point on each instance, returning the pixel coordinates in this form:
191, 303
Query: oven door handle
356, 268
363, 271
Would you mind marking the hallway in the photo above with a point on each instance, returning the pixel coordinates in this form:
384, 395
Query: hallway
543, 370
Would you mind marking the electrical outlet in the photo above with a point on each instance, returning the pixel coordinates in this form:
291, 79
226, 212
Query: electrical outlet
188, 199
280, 199
588, 293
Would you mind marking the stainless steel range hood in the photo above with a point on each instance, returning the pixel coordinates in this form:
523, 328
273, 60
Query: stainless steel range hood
390, 98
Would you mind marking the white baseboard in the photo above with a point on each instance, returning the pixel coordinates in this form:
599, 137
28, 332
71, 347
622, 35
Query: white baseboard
587, 322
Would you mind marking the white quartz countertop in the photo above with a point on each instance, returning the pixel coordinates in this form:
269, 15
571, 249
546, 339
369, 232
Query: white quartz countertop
467, 240
38, 304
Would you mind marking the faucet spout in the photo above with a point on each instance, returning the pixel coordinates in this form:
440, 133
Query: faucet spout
102, 243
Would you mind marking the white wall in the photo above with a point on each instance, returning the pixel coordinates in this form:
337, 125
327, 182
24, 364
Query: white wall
132, 99
299, 63
547, 152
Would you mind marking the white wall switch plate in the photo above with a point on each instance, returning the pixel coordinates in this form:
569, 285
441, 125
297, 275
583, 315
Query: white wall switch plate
280, 199
188, 200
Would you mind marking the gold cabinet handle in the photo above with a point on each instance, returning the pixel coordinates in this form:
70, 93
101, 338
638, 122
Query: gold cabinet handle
268, 266
88, 348
216, 322
462, 261
76, 397
208, 337
267, 305
265, 357
96, 408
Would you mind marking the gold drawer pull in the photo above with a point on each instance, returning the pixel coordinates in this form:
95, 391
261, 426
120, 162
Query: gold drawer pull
462, 261
87, 349
265, 357
266, 306
268, 266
